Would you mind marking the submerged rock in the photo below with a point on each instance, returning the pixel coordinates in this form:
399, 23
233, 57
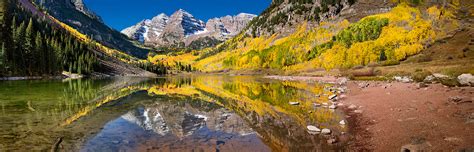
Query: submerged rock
325, 131
331, 141
294, 103
342, 122
313, 128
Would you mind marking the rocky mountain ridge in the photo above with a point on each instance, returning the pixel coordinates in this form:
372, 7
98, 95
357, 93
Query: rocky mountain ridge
80, 6
78, 16
181, 29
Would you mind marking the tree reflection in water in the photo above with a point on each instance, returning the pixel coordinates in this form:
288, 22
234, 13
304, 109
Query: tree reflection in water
173, 113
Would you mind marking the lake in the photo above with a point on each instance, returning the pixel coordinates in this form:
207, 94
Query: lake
179, 113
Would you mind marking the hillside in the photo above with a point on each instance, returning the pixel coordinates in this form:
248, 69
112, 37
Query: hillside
75, 14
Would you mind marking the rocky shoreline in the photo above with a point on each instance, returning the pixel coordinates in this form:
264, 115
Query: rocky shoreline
393, 115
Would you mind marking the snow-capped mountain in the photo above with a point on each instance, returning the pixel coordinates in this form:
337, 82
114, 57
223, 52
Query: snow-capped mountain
183, 28
166, 118
147, 30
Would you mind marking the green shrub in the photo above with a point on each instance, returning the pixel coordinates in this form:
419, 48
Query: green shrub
420, 75
390, 62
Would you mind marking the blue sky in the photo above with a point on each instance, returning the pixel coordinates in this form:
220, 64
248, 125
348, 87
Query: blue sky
120, 14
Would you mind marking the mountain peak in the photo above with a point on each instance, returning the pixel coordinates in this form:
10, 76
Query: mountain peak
162, 15
182, 12
182, 26
246, 15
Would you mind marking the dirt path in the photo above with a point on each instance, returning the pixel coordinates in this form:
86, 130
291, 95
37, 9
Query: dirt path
391, 115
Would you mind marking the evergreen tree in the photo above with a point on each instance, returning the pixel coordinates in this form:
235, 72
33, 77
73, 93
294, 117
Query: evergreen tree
383, 57
12, 53
2, 57
29, 48
40, 53
19, 39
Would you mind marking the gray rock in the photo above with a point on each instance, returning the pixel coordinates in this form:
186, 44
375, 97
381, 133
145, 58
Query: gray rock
403, 79
429, 79
325, 131
466, 79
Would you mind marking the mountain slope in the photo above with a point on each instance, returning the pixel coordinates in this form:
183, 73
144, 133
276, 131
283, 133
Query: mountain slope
182, 29
75, 14
37, 44
344, 36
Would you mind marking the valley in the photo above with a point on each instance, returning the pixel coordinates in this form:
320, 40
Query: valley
299, 75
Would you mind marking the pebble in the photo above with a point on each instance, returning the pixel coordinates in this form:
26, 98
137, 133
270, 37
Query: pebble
342, 122
325, 131
421, 85
364, 85
332, 107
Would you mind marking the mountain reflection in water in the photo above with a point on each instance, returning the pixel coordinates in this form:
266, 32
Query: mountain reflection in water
195, 113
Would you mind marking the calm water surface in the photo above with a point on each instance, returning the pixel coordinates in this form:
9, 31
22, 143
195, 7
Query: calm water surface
196, 113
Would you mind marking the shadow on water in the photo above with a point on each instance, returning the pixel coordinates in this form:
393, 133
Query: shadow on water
198, 113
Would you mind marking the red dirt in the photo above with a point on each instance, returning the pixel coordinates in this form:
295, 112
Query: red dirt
403, 114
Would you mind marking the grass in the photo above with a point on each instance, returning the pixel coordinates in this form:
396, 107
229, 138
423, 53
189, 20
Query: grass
371, 78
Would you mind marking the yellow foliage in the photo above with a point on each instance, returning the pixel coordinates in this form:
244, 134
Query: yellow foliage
334, 57
186, 58
407, 33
